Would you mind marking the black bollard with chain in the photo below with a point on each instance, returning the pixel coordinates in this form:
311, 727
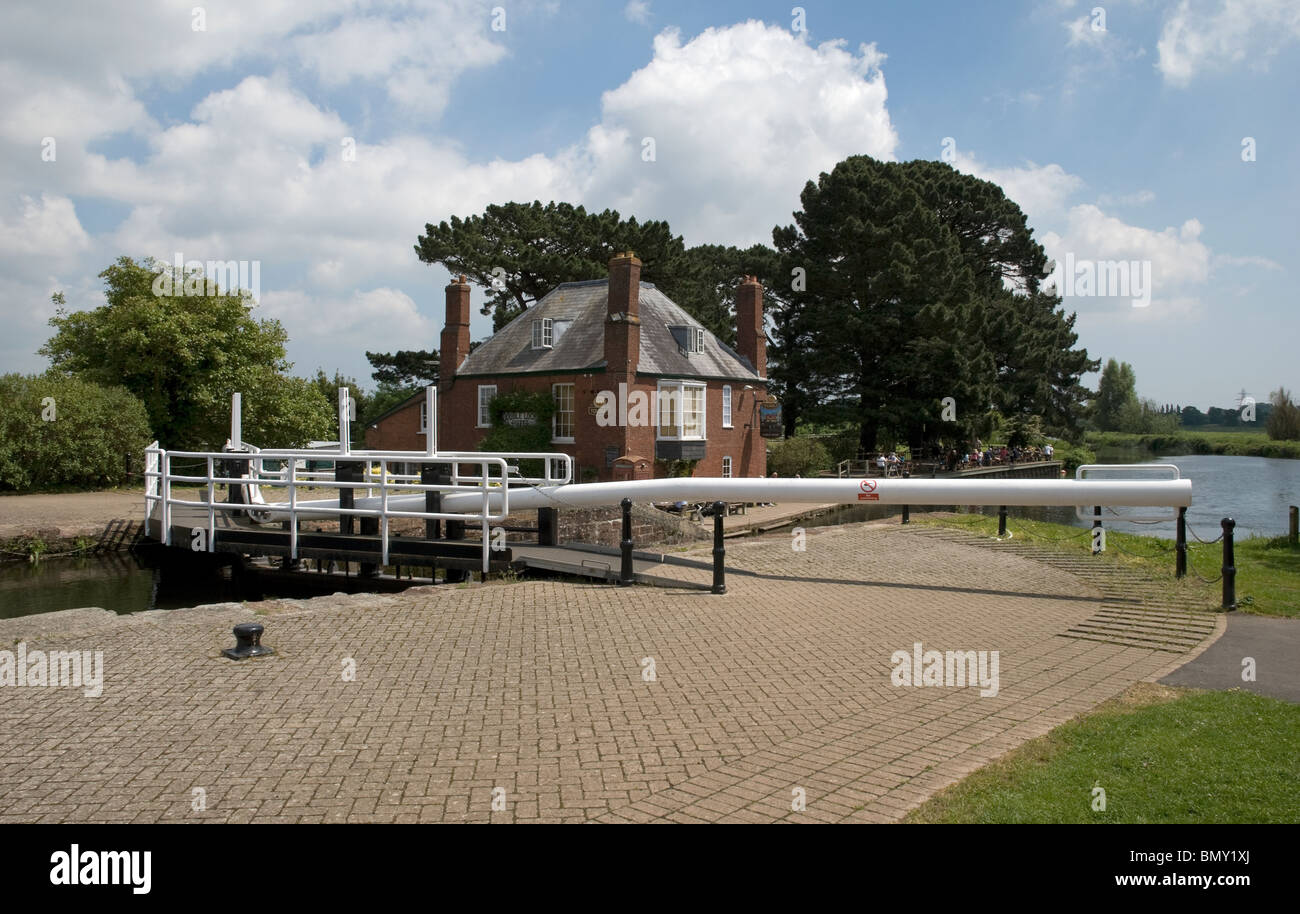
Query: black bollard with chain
1229, 565
1180, 545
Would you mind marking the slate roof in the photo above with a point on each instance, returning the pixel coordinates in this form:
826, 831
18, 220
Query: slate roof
582, 346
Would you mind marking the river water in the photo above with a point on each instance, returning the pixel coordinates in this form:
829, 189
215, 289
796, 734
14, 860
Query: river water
1254, 491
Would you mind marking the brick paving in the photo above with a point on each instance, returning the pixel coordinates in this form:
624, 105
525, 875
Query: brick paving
536, 694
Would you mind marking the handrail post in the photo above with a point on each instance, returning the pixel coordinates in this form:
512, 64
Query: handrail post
1229, 565
625, 572
1096, 541
1295, 525
1002, 520
719, 551
1180, 545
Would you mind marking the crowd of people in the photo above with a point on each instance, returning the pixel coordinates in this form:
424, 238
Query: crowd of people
981, 455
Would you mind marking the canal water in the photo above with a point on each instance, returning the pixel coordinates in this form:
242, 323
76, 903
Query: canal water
1254, 491
123, 582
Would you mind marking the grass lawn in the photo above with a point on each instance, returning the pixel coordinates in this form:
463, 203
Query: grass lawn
1268, 569
1161, 755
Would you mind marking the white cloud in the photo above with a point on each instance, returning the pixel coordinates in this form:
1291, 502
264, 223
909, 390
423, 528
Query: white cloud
45, 228
740, 117
1042, 191
1179, 261
1081, 32
637, 11
1197, 39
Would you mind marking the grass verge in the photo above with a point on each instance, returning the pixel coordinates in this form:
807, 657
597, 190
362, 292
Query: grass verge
1268, 568
1229, 443
1161, 755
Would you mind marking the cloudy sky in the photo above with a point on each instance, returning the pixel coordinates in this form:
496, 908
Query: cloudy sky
319, 137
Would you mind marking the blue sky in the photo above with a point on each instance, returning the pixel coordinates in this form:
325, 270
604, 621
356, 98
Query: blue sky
1118, 128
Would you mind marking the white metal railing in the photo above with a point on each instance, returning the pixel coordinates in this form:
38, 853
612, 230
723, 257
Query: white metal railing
1129, 471
491, 476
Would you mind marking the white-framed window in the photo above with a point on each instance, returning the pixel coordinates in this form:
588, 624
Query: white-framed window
726, 406
543, 333
681, 410
562, 421
485, 394
697, 340
424, 418
726, 467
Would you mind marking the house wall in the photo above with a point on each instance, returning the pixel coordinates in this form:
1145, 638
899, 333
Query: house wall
399, 431
458, 413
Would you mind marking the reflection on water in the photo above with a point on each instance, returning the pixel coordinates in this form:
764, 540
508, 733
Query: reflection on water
123, 582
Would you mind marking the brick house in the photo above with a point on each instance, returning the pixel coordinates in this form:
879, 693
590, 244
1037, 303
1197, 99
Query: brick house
638, 382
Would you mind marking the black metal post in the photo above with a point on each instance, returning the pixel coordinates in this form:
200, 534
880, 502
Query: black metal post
907, 515
455, 532
1180, 545
1229, 565
548, 527
1002, 520
1295, 525
347, 471
1096, 513
432, 505
625, 572
719, 551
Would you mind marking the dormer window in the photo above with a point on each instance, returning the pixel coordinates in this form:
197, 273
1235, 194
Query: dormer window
543, 333
689, 339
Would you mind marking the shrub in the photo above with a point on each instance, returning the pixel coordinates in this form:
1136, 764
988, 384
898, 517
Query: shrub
56, 430
803, 456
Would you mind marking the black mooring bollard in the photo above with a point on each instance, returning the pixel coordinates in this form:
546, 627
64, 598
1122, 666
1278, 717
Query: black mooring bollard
248, 642
1180, 545
1229, 565
625, 573
1002, 520
719, 552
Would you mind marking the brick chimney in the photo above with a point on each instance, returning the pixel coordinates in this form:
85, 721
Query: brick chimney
455, 333
751, 340
623, 317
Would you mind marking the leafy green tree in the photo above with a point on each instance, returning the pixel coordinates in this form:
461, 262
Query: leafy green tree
1020, 359
889, 317
183, 352
797, 457
1284, 418
57, 430
1116, 403
329, 389
406, 368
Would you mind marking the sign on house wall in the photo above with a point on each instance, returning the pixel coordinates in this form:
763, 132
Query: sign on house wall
769, 419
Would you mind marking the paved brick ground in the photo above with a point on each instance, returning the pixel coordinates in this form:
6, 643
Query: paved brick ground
537, 691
